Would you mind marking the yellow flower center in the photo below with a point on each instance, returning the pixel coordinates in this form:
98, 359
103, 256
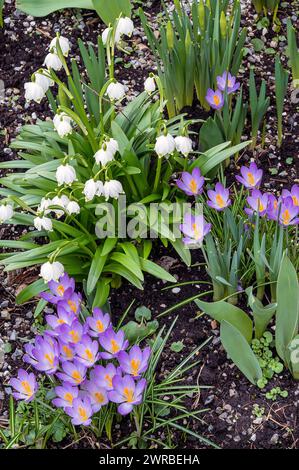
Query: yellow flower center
128, 394
216, 100
68, 352
60, 290
26, 387
286, 217
220, 201
114, 346
82, 413
88, 354
295, 200
135, 367
250, 178
50, 359
68, 397
99, 397
261, 206
77, 376
74, 335
72, 306
193, 186
100, 326
229, 83
197, 231
60, 321
108, 379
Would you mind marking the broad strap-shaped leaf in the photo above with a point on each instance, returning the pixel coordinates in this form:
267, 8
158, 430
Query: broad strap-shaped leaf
45, 7
31, 291
223, 311
110, 10
287, 316
262, 315
96, 269
156, 270
293, 351
240, 352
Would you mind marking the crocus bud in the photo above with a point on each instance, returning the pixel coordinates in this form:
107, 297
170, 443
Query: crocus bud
73, 208
51, 271
34, 92
113, 189
170, 35
63, 43
165, 145
52, 61
65, 174
183, 145
43, 223
6, 212
150, 85
116, 91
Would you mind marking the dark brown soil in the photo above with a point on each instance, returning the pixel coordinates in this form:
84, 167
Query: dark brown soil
230, 422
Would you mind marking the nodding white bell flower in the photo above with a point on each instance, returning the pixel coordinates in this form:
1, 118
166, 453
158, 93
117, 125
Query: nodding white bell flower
52, 61
65, 174
150, 85
62, 202
103, 156
44, 206
62, 124
73, 208
6, 212
43, 81
105, 35
90, 190
34, 91
41, 223
112, 188
125, 27
183, 145
100, 188
116, 91
64, 45
51, 271
112, 146
165, 145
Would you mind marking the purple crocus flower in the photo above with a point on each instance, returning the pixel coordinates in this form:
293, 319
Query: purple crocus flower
97, 395
227, 82
71, 333
65, 393
43, 355
191, 184
258, 202
66, 351
134, 362
113, 343
195, 228
98, 323
103, 376
60, 290
71, 304
73, 372
219, 199
288, 212
25, 385
127, 392
87, 351
81, 411
251, 177
63, 317
294, 194
215, 99
273, 207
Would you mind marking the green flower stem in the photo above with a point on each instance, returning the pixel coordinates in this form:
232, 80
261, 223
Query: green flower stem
158, 174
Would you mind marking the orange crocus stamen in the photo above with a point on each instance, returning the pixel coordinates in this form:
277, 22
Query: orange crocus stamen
27, 388
128, 394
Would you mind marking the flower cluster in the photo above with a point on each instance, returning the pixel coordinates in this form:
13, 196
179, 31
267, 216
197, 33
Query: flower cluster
284, 210
226, 83
75, 354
